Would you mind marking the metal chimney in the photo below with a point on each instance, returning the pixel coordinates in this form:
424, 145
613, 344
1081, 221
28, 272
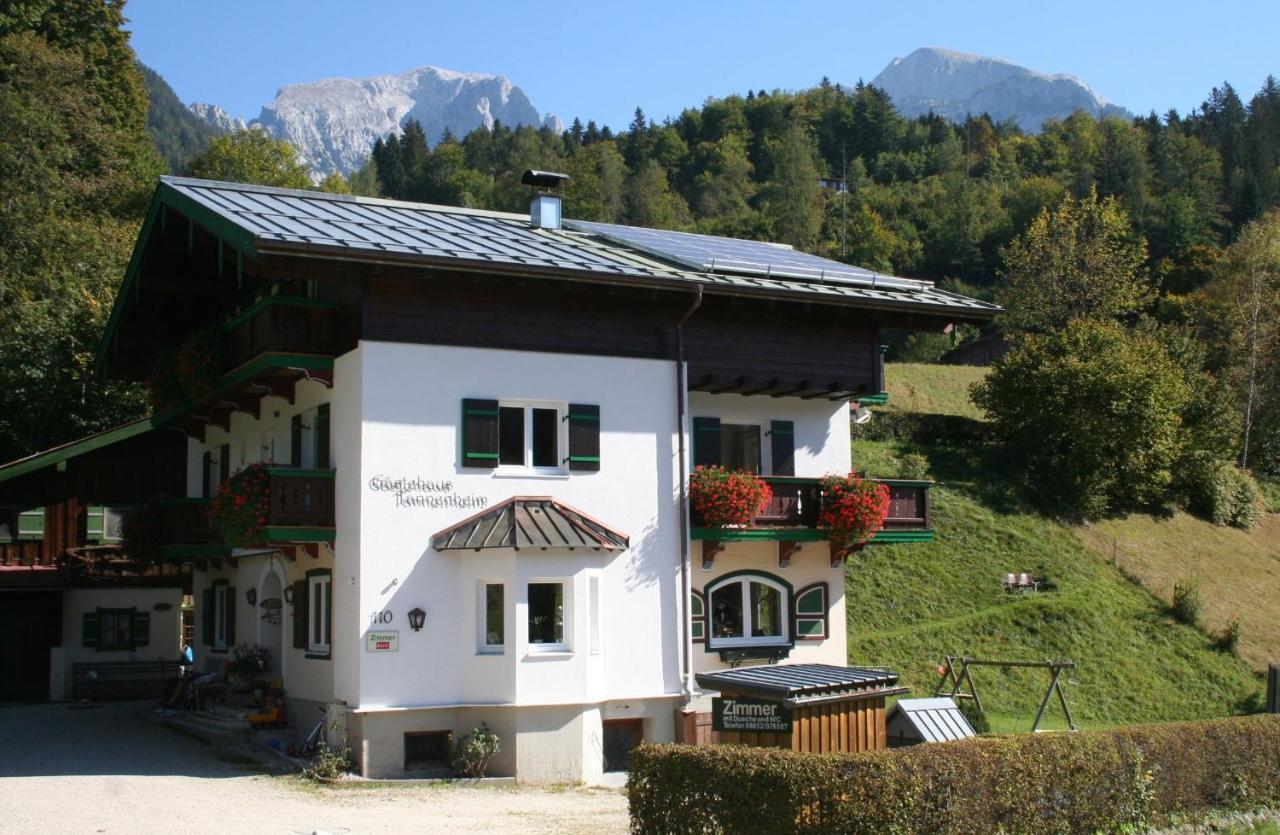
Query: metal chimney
544, 211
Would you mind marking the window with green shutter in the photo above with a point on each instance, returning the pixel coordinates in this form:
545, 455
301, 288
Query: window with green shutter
480, 433
320, 436
299, 604
706, 441
90, 629
31, 525
697, 616
584, 437
811, 613
782, 443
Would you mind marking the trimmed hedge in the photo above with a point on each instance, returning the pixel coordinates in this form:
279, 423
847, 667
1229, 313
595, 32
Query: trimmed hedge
1103, 781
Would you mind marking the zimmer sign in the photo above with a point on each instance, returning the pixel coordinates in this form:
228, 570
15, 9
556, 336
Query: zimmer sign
750, 716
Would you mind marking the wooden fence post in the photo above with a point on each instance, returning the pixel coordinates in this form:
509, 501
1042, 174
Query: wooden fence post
1273, 688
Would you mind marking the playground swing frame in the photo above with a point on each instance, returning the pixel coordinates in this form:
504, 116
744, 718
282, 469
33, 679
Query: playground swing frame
957, 674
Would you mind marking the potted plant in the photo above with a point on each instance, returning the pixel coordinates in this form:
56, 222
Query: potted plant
727, 499
853, 509
239, 511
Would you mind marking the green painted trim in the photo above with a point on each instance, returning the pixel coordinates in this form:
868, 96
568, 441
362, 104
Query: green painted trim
873, 399
298, 472
759, 534
900, 537
486, 455
591, 458
267, 301
481, 412
589, 418
66, 452
289, 534
801, 535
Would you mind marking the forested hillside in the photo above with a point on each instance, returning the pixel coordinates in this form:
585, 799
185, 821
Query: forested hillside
925, 197
178, 133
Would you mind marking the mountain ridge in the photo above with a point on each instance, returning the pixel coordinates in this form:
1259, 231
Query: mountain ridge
957, 84
334, 122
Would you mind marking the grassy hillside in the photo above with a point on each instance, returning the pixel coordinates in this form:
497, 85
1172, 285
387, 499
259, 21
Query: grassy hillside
1238, 572
909, 605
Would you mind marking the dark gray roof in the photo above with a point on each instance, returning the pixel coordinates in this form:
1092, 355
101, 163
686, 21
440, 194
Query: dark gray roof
529, 522
787, 681
933, 720
266, 220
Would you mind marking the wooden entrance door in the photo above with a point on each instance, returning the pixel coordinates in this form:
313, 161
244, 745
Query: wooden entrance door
621, 736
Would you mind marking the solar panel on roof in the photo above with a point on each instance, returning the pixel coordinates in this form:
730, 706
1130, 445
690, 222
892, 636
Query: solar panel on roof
708, 253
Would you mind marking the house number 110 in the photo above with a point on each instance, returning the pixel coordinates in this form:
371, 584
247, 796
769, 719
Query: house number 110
385, 616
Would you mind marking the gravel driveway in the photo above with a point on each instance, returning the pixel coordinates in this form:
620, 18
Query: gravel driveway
111, 769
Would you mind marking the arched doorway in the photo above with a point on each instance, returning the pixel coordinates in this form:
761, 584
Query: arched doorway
271, 618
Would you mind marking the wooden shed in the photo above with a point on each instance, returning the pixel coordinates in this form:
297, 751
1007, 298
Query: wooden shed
815, 708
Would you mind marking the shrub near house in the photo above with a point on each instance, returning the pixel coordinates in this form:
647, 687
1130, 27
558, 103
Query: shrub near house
1103, 781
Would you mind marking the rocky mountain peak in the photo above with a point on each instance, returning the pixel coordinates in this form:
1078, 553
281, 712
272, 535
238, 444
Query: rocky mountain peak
956, 84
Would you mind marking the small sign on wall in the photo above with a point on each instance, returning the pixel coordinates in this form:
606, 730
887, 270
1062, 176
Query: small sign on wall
382, 642
750, 716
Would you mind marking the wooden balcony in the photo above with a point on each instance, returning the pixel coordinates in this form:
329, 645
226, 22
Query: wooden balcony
271, 347
792, 515
300, 512
282, 324
300, 499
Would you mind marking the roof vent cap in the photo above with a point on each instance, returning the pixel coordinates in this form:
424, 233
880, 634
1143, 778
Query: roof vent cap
544, 211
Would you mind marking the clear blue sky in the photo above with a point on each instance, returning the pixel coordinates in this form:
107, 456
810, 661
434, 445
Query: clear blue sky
601, 59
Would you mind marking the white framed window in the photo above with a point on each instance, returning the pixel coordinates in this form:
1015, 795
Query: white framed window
532, 436
220, 593
491, 621
548, 615
748, 610
319, 612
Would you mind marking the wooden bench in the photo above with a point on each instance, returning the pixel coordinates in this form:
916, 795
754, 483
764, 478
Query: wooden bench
123, 679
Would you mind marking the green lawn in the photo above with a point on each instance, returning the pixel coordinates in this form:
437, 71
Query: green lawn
910, 605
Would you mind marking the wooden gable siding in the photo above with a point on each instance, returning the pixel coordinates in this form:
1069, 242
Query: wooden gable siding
525, 315
726, 339
130, 471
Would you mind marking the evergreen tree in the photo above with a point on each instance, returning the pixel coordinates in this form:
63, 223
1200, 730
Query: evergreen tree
791, 201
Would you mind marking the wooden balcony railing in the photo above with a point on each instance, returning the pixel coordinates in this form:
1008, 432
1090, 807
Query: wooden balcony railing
797, 502
187, 522
301, 498
284, 324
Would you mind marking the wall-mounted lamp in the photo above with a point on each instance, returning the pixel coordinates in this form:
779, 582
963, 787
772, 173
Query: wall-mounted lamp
288, 594
252, 596
417, 617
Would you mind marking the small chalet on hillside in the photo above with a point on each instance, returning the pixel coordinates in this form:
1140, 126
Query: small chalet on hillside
459, 443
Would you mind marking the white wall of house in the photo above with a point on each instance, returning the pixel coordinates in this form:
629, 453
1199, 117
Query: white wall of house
346, 427
821, 426
165, 628
412, 397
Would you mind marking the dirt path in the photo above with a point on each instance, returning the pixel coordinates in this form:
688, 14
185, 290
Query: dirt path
112, 770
